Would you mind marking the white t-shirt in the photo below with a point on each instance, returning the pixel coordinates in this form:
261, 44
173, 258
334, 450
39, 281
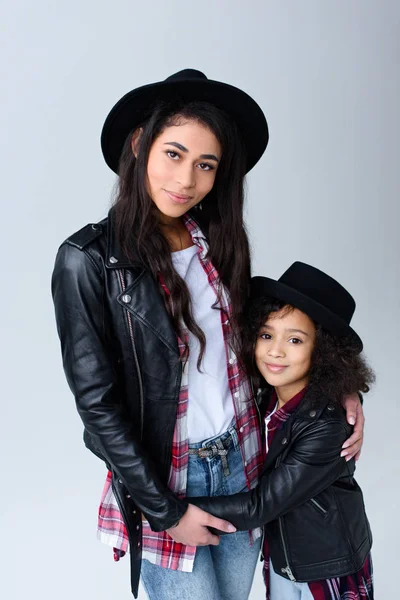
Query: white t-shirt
210, 405
267, 420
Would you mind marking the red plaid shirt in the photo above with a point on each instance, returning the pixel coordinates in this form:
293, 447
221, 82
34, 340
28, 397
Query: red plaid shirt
358, 586
160, 548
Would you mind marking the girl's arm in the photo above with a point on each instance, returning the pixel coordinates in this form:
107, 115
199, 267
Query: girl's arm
311, 466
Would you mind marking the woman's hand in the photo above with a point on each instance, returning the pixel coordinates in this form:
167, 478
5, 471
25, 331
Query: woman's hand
355, 416
192, 529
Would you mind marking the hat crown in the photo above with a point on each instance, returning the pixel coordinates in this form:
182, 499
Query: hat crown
185, 86
186, 74
321, 288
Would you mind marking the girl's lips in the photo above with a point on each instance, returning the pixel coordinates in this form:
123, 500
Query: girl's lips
177, 198
275, 368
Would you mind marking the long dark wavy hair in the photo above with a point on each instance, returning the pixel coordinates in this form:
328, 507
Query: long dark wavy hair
337, 367
137, 219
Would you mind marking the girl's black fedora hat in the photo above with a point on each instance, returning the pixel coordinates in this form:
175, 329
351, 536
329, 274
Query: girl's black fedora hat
186, 86
313, 292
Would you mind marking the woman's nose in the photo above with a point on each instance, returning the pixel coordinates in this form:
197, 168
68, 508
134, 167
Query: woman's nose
186, 176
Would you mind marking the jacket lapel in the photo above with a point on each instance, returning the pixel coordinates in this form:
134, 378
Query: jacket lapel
279, 443
143, 299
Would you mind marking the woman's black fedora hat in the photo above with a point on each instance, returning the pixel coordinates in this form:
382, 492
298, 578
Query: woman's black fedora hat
185, 86
313, 292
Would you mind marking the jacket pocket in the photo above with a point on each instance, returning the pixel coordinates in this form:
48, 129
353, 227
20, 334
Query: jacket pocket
318, 506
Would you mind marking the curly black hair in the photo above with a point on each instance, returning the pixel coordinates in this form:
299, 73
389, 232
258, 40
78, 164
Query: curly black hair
337, 367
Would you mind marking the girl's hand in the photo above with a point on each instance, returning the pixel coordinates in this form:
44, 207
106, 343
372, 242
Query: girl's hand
192, 529
355, 416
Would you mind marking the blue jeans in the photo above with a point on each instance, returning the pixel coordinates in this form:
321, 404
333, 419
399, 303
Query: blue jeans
223, 572
282, 588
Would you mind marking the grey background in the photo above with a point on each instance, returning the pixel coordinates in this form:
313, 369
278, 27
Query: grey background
326, 192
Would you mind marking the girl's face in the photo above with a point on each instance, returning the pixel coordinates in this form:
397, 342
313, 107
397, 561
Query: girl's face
283, 351
181, 168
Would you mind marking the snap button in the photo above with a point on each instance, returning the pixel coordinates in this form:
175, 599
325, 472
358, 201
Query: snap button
128, 496
119, 480
241, 430
134, 512
330, 407
137, 527
95, 227
113, 260
313, 413
126, 298
138, 544
231, 361
284, 441
236, 394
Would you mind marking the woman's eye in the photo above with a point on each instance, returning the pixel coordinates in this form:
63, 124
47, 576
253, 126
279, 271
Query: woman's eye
295, 341
265, 336
205, 167
172, 154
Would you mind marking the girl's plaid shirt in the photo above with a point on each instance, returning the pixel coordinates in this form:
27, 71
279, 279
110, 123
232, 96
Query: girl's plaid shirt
159, 548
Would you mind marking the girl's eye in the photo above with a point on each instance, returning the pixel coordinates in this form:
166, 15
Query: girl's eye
172, 154
265, 336
205, 167
295, 341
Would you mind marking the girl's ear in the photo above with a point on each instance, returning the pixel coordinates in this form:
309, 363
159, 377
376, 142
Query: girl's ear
135, 142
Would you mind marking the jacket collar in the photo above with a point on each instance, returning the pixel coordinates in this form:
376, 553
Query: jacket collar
307, 411
115, 258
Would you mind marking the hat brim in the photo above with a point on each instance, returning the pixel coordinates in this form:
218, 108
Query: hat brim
264, 286
133, 108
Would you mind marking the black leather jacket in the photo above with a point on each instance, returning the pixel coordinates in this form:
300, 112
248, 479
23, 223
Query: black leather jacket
121, 360
307, 498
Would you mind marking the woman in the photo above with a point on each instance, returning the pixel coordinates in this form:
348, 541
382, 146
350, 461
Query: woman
148, 306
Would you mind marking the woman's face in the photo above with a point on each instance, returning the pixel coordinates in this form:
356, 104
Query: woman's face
181, 168
283, 351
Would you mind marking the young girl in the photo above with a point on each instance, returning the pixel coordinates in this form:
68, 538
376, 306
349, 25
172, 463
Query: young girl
305, 357
148, 307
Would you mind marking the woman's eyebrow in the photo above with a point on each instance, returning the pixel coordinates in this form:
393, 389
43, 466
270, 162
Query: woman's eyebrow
183, 149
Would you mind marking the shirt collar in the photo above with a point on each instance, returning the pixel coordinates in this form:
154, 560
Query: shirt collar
289, 407
194, 229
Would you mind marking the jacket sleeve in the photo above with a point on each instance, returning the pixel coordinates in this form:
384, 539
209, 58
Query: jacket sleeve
312, 465
77, 288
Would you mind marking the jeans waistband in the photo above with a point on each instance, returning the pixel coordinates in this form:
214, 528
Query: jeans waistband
215, 445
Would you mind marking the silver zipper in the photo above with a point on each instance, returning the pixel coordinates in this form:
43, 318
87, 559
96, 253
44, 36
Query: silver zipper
289, 573
128, 314
286, 569
259, 420
318, 506
262, 543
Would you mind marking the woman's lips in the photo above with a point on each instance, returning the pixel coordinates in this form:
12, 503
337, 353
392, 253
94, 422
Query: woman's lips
275, 368
177, 198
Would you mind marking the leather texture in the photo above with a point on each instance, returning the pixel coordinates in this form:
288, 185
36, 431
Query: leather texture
121, 360
307, 499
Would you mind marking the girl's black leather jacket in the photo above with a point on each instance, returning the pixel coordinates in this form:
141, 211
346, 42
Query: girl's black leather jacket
307, 498
121, 360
